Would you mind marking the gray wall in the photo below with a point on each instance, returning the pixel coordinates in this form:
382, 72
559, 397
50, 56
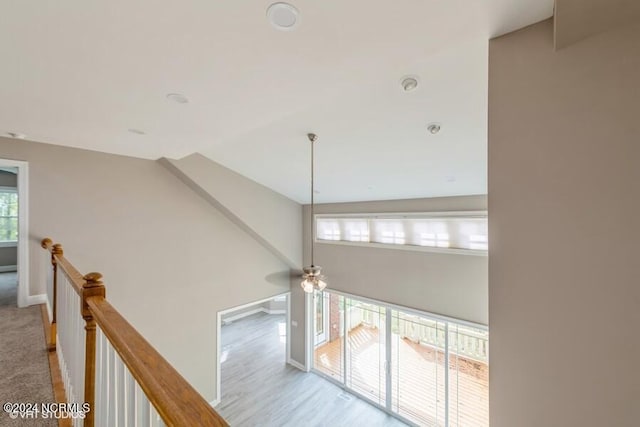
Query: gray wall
564, 197
448, 284
170, 260
8, 256
271, 218
266, 307
276, 305
8, 179
241, 311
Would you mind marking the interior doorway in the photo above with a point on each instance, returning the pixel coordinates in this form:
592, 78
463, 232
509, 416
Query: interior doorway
14, 232
242, 327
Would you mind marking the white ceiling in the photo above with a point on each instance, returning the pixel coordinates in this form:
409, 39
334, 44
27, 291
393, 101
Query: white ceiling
81, 74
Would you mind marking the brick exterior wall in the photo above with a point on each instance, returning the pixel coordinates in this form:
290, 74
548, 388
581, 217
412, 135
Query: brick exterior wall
334, 317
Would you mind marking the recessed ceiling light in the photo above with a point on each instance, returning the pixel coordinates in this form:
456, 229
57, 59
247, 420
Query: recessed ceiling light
283, 16
137, 131
409, 83
178, 98
16, 135
433, 128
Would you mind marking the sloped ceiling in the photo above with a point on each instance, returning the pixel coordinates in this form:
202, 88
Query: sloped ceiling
82, 74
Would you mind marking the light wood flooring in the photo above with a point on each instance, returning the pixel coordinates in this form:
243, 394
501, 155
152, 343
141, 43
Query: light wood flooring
259, 389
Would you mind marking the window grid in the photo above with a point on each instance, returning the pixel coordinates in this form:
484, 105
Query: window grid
8, 216
453, 232
427, 370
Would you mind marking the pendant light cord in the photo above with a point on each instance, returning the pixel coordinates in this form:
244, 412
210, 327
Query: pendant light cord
312, 205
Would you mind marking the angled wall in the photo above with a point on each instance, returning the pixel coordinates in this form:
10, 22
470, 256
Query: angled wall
170, 260
564, 196
269, 217
578, 19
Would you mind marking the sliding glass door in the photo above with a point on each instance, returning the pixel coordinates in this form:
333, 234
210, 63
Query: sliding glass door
329, 349
418, 369
468, 376
322, 317
366, 350
426, 369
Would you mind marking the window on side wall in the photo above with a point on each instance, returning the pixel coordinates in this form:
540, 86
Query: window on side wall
8, 215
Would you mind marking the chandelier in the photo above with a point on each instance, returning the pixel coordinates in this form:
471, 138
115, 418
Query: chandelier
312, 279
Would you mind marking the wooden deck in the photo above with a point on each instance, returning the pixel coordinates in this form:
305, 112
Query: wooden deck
418, 380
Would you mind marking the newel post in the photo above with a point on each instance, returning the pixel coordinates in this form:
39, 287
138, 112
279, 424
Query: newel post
56, 249
92, 287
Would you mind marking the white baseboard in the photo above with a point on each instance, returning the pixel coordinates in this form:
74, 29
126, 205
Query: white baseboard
297, 365
230, 319
214, 403
8, 268
37, 299
241, 315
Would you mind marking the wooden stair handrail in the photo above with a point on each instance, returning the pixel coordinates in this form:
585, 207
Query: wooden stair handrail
47, 244
176, 401
58, 259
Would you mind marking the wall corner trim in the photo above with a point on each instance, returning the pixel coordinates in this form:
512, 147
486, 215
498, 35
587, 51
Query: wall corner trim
297, 365
37, 299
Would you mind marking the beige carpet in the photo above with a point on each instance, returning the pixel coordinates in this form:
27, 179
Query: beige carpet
24, 364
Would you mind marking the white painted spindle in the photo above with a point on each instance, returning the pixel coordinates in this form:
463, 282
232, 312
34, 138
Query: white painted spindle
120, 401
70, 342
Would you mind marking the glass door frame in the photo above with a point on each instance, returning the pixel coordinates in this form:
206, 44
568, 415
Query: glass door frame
389, 307
322, 337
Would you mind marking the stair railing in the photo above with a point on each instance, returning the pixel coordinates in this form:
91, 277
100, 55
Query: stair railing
112, 376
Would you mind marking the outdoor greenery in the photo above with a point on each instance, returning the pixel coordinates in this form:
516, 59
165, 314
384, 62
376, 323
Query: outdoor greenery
8, 216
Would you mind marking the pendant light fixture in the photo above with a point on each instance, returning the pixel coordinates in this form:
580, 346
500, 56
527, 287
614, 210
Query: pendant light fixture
312, 279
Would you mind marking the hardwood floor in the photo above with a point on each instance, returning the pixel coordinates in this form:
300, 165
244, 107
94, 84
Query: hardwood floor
259, 389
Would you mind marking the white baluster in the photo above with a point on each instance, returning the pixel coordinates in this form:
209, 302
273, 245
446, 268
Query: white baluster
99, 381
120, 391
111, 399
143, 416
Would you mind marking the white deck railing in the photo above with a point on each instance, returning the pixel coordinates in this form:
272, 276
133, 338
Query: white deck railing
464, 341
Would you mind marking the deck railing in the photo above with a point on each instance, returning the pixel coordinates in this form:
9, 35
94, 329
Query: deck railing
107, 364
466, 342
